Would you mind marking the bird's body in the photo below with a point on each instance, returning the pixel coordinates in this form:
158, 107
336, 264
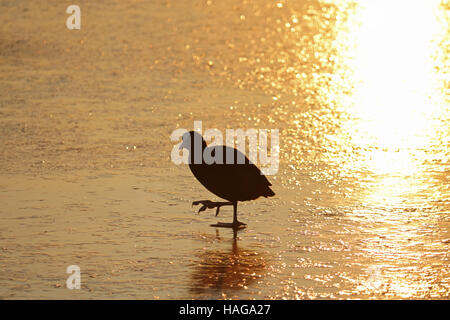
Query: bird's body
233, 182
227, 173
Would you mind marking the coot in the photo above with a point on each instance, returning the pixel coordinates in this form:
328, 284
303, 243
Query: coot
227, 173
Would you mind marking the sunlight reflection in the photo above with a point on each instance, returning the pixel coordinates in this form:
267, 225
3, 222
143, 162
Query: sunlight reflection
396, 60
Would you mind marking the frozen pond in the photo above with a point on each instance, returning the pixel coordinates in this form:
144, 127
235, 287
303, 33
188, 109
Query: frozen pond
357, 91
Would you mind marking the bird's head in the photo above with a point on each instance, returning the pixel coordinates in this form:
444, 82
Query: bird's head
191, 140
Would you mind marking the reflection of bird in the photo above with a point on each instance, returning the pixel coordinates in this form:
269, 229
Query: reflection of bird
227, 173
224, 271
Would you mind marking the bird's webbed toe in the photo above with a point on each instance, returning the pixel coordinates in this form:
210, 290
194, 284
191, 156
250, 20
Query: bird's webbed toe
207, 204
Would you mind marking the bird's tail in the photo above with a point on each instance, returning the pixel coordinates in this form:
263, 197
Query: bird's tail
267, 192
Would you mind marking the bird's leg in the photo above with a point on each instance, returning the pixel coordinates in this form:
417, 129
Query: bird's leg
207, 204
236, 222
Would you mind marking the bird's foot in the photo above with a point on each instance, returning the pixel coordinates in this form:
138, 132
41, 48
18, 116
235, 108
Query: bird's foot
234, 225
238, 223
207, 204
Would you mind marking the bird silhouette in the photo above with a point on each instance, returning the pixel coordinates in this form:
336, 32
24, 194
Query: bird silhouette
227, 173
